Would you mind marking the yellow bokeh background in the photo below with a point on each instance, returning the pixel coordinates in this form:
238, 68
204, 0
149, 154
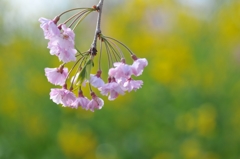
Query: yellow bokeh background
188, 107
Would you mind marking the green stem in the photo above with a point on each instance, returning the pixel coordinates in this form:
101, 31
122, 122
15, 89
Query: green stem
73, 68
82, 54
120, 43
84, 16
90, 87
80, 16
108, 53
114, 51
100, 56
73, 10
73, 16
118, 49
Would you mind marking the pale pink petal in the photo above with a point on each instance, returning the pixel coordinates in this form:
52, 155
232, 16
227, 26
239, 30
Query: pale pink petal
112, 72
95, 103
67, 55
56, 95
120, 70
50, 29
63, 45
96, 81
126, 70
112, 89
116, 64
55, 76
138, 66
112, 95
69, 32
132, 84
81, 102
105, 89
62, 96
68, 98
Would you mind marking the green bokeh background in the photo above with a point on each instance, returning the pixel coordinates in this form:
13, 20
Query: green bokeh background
188, 107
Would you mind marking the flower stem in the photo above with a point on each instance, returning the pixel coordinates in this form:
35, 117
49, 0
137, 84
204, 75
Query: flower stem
98, 27
90, 87
73, 67
81, 59
73, 10
107, 55
84, 16
114, 51
75, 15
120, 43
100, 56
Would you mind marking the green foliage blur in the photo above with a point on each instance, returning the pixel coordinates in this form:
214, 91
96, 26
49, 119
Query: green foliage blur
188, 107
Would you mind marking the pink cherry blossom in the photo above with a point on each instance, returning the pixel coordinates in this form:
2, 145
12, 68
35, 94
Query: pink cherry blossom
131, 84
96, 80
121, 70
63, 45
67, 55
138, 66
112, 72
50, 29
80, 101
68, 99
56, 76
62, 96
95, 103
112, 88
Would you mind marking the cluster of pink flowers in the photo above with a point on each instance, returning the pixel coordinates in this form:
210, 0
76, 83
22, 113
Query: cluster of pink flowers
61, 39
120, 79
61, 44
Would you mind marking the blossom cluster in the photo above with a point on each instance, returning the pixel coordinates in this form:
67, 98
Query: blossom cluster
61, 39
120, 75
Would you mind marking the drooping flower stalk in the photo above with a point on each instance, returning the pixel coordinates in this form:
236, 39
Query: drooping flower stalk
119, 43
100, 57
109, 56
99, 8
81, 19
71, 10
81, 15
62, 44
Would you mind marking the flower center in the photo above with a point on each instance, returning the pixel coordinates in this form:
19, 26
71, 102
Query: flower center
65, 36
